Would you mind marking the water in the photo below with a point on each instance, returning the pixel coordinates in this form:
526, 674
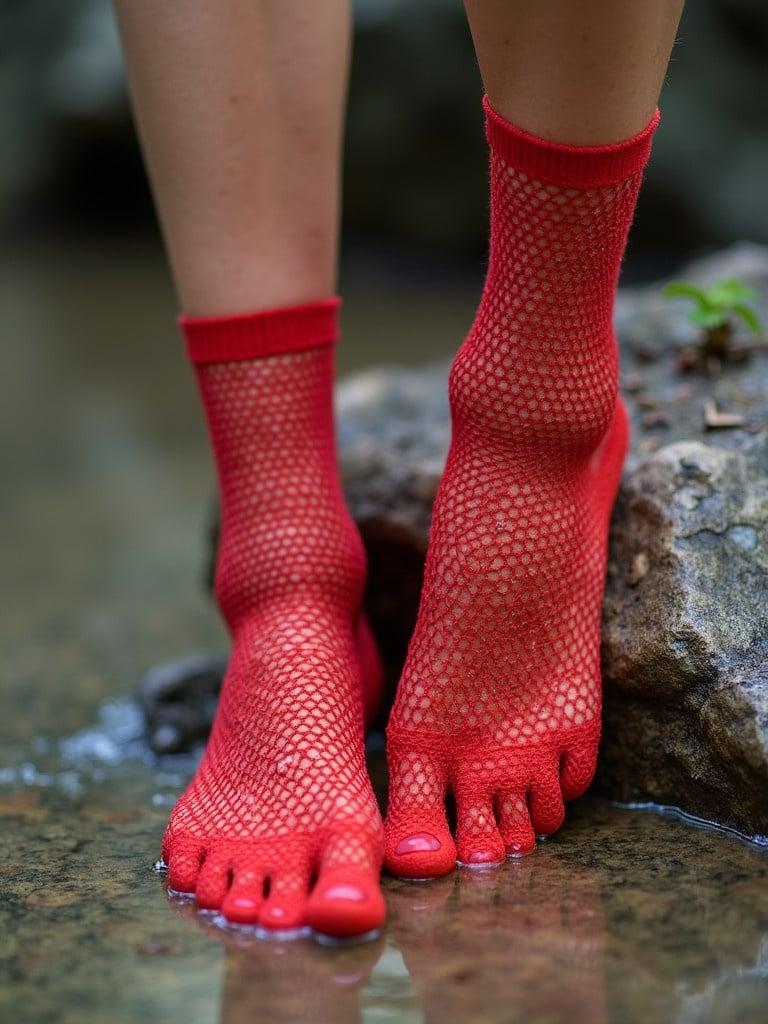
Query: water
624, 916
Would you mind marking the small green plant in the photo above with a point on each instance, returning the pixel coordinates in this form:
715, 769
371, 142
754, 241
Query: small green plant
714, 311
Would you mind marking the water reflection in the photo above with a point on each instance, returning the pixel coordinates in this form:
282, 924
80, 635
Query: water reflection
288, 980
505, 945
623, 917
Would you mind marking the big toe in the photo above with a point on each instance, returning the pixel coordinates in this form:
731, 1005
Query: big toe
346, 902
419, 848
417, 840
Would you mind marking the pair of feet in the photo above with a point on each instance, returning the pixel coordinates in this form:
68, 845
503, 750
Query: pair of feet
499, 702
498, 706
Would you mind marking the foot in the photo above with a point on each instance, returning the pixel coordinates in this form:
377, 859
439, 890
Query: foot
279, 827
500, 696
499, 702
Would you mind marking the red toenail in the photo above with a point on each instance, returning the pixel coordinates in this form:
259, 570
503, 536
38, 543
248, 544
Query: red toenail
242, 903
344, 892
482, 857
519, 849
276, 912
421, 842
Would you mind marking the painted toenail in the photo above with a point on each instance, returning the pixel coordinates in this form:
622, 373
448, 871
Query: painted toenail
242, 903
482, 857
520, 849
277, 913
421, 842
344, 892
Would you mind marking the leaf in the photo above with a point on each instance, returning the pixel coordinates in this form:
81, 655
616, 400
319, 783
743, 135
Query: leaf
706, 316
750, 318
728, 293
684, 290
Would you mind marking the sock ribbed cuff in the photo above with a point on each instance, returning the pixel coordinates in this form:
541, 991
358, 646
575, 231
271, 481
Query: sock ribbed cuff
224, 339
564, 165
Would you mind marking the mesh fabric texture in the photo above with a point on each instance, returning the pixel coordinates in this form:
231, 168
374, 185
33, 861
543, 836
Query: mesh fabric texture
279, 827
499, 702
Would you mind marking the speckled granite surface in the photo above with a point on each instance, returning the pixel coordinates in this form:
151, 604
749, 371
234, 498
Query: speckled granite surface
625, 916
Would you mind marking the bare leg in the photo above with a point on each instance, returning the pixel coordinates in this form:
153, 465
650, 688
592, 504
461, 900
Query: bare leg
583, 73
500, 696
239, 105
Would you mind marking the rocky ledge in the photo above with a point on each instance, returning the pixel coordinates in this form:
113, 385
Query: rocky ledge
685, 639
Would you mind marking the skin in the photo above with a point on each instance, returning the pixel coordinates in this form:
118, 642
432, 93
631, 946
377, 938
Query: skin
586, 73
239, 106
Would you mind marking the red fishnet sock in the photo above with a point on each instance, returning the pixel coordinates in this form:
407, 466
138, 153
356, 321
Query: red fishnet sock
280, 826
500, 696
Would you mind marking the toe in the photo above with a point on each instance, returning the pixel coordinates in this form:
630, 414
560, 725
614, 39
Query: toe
515, 824
213, 881
245, 896
345, 902
478, 840
286, 904
546, 804
418, 842
577, 770
184, 858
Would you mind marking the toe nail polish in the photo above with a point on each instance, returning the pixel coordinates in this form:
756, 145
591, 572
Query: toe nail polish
343, 891
420, 842
482, 857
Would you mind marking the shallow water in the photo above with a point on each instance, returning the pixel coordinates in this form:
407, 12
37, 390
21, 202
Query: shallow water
624, 916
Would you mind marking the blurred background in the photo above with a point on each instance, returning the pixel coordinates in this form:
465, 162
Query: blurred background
100, 432
70, 170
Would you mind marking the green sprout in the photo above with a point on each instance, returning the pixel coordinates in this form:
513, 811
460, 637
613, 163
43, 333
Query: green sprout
715, 310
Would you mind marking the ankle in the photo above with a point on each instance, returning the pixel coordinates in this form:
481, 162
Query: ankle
295, 568
535, 407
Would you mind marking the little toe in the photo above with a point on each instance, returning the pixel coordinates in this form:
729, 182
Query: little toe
515, 824
245, 897
546, 805
184, 858
213, 881
478, 840
346, 902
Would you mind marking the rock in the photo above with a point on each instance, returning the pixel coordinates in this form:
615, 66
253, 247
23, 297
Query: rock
686, 613
178, 699
685, 642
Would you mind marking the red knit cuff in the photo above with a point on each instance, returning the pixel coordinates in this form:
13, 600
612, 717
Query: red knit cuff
224, 339
568, 166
